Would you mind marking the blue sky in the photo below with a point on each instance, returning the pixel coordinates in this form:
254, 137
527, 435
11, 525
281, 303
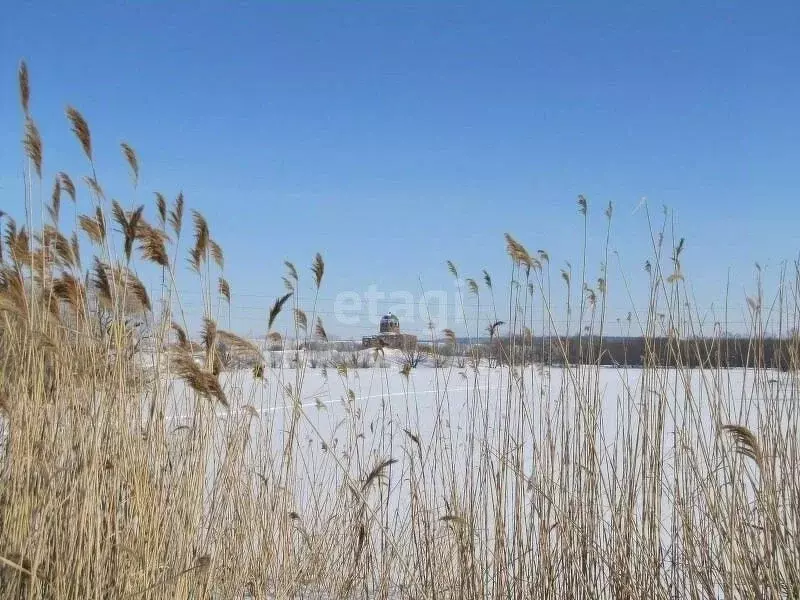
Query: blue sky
392, 137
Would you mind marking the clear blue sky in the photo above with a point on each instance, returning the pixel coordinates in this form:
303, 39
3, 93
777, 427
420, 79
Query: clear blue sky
394, 136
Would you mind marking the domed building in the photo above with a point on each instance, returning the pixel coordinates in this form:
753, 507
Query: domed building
390, 324
389, 335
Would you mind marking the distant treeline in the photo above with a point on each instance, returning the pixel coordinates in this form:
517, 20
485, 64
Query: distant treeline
779, 353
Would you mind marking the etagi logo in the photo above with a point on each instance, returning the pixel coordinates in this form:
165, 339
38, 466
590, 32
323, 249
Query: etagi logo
427, 310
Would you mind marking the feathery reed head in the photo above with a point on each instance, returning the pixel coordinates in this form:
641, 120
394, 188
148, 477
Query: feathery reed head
583, 206
132, 230
33, 145
24, 88
472, 286
129, 225
320, 332
238, 345
101, 283
566, 276
161, 207
94, 227
94, 186
18, 244
81, 130
487, 279
201, 240
176, 215
202, 382
745, 441
208, 334
13, 297
53, 240
452, 268
55, 202
224, 289
291, 270
76, 249
70, 291
378, 472
138, 291
216, 253
183, 339
152, 244
493, 327
518, 253
276, 309
67, 185
300, 319
133, 162
318, 269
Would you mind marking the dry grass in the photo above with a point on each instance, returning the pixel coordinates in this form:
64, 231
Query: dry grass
691, 492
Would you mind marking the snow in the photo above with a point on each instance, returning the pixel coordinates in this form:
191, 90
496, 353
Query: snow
348, 421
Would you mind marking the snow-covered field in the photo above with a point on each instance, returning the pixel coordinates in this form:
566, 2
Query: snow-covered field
345, 422
635, 462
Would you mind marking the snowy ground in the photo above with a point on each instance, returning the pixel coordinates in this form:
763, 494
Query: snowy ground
347, 422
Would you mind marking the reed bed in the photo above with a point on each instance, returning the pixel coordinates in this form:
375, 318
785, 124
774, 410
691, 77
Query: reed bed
139, 459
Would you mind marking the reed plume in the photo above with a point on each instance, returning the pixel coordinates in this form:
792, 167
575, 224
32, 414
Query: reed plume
318, 269
583, 205
176, 215
32, 143
81, 130
95, 187
378, 472
161, 207
452, 268
76, 249
745, 442
224, 289
152, 245
180, 334
319, 330
201, 240
24, 88
492, 328
291, 270
202, 382
54, 240
133, 162
238, 345
69, 289
216, 253
208, 334
300, 319
472, 286
55, 202
67, 185
13, 296
276, 309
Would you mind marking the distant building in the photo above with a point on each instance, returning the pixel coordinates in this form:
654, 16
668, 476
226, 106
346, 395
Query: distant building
389, 335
